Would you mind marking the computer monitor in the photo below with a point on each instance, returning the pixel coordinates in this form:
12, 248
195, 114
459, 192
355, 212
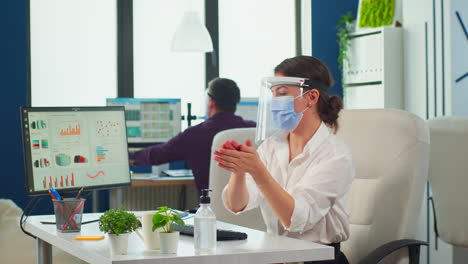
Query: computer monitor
247, 108
150, 120
73, 147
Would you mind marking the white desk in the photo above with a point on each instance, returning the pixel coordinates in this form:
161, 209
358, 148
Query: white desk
258, 248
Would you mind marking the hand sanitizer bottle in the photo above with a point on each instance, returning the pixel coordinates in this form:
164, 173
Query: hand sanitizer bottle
205, 225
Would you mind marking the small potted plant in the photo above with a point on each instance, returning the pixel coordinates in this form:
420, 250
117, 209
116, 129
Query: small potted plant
118, 224
165, 218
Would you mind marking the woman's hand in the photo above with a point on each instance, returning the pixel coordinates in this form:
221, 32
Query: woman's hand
238, 158
242, 158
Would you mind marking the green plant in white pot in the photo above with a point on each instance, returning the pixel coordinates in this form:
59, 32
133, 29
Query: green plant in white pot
118, 224
165, 218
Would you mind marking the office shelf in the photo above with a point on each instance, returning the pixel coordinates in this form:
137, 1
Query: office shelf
374, 76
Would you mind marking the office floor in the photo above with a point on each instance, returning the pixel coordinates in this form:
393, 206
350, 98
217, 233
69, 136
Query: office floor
15, 246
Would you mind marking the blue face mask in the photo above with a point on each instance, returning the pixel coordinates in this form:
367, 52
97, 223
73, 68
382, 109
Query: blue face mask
284, 116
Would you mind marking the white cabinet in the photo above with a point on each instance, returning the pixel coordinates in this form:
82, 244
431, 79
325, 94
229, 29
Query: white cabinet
364, 96
374, 76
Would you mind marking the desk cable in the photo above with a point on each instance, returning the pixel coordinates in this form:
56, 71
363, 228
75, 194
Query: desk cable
27, 210
30, 207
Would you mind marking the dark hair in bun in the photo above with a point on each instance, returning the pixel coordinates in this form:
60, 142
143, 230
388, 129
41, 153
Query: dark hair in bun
328, 107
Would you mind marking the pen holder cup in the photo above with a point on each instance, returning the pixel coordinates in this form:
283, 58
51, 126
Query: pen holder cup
68, 214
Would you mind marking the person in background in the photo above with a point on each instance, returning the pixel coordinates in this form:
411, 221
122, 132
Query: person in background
194, 143
301, 176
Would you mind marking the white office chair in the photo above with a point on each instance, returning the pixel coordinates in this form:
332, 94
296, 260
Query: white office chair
219, 178
448, 176
390, 150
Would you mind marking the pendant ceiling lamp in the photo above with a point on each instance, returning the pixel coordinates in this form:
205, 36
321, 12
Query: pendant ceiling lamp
191, 35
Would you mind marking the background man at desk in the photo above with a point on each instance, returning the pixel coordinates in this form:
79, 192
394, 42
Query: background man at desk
194, 144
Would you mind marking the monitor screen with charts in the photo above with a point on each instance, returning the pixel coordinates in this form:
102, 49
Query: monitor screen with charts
150, 120
73, 147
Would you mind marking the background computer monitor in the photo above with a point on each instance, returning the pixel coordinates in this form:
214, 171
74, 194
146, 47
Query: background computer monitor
247, 108
73, 147
150, 121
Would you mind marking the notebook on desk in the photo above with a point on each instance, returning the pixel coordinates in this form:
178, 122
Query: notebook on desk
153, 178
221, 234
143, 177
178, 173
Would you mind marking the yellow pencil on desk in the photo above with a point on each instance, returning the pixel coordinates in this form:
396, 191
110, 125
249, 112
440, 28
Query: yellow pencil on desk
89, 237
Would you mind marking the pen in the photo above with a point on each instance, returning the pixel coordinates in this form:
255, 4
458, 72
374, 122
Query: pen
73, 224
55, 193
58, 205
52, 195
56, 196
79, 193
70, 219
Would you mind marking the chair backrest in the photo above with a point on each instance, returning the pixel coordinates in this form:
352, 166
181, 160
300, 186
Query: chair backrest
448, 176
220, 177
390, 150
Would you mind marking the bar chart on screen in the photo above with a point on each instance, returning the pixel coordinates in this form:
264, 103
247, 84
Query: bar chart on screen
61, 181
101, 153
70, 129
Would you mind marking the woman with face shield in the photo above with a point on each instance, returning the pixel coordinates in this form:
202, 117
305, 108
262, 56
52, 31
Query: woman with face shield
301, 173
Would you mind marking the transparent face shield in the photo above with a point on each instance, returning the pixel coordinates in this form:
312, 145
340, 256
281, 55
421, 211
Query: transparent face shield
281, 104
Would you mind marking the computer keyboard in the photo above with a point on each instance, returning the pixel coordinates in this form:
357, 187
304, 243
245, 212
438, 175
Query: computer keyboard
221, 234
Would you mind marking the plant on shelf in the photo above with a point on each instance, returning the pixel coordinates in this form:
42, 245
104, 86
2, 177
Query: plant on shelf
165, 218
118, 222
344, 27
376, 13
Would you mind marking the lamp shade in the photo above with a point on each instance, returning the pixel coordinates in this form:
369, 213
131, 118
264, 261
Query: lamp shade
192, 35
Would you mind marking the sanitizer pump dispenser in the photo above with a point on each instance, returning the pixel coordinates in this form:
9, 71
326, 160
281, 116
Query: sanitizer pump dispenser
205, 225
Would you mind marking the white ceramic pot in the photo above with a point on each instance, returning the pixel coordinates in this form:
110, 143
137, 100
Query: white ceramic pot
169, 242
119, 244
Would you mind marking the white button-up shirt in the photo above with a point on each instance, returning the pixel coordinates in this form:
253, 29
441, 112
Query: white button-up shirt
318, 179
